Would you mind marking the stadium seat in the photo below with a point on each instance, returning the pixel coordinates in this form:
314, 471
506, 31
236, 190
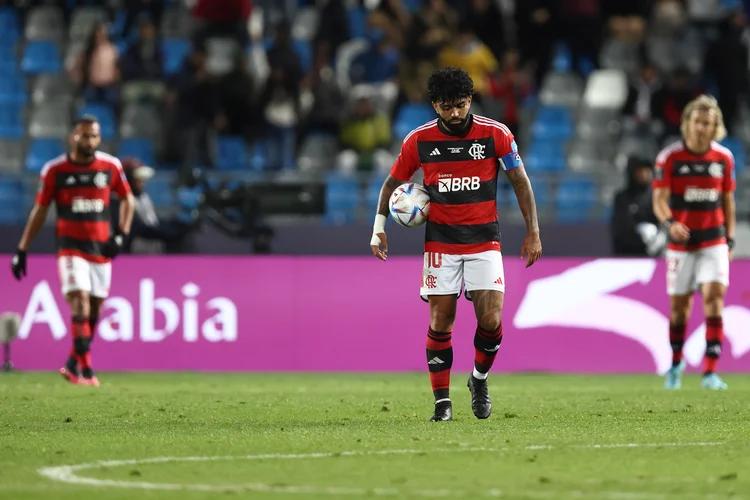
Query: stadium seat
616, 54
45, 23
575, 198
546, 156
12, 90
552, 126
174, 51
10, 25
346, 53
140, 148
232, 153
140, 120
41, 57
599, 123
318, 153
738, 151
51, 87
50, 120
41, 151
106, 116
11, 201
189, 201
161, 192
590, 156
606, 88
11, 121
258, 155
11, 156
357, 18
83, 21
411, 116
561, 89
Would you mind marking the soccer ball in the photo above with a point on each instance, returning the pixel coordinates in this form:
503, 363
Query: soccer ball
410, 204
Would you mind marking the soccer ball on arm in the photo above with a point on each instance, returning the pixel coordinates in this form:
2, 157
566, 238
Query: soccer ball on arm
410, 205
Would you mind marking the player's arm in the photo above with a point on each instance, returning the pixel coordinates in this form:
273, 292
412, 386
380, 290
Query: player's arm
661, 194
531, 249
403, 170
728, 203
127, 210
36, 220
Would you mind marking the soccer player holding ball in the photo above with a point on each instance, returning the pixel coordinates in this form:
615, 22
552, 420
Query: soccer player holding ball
461, 154
694, 198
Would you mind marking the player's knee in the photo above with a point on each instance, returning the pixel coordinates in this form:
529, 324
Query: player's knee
491, 322
678, 316
442, 321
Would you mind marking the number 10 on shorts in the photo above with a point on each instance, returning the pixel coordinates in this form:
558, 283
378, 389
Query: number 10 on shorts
434, 260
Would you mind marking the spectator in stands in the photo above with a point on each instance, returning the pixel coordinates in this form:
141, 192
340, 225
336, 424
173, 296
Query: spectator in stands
510, 87
431, 29
191, 107
96, 70
237, 113
282, 56
580, 22
668, 18
626, 19
536, 28
144, 59
221, 18
669, 101
469, 53
333, 28
281, 98
148, 235
325, 113
392, 17
365, 135
378, 64
727, 59
634, 227
135, 9
486, 21
639, 104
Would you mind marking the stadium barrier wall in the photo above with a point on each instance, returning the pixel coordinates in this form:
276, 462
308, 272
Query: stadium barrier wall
360, 314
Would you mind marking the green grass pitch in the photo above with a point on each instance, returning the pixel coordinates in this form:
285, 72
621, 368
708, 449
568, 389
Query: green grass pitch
329, 436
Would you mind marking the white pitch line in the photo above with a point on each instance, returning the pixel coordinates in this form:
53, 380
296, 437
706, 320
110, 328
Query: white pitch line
67, 474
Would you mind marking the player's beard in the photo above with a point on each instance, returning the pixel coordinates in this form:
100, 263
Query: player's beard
85, 153
456, 126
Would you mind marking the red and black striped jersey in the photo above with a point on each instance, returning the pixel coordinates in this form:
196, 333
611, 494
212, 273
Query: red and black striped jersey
81, 193
697, 183
460, 174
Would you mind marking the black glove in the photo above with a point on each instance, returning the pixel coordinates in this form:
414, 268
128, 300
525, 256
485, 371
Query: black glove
18, 264
114, 245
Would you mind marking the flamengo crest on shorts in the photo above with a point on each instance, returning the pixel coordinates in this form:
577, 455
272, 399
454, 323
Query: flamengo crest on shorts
460, 174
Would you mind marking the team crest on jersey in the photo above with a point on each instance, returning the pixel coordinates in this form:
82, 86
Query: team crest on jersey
716, 169
477, 151
100, 180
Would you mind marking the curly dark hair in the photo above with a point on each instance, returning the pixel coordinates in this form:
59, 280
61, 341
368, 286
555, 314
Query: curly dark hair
449, 85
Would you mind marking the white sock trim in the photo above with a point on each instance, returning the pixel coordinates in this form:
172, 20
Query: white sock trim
442, 400
479, 375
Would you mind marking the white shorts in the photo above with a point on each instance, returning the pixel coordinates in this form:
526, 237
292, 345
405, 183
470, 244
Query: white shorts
445, 274
78, 274
686, 271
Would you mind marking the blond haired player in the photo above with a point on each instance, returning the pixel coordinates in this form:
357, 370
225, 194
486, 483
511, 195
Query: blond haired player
694, 198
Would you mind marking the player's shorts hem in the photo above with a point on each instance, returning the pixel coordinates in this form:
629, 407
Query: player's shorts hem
424, 295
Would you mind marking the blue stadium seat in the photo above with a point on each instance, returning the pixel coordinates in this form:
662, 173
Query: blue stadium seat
232, 153
411, 116
161, 192
546, 156
41, 56
552, 124
12, 206
357, 22
11, 121
13, 89
576, 196
140, 148
106, 116
342, 199
562, 61
189, 200
258, 155
10, 25
174, 51
738, 150
41, 151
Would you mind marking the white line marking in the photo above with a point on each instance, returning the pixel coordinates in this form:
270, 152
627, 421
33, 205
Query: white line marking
68, 474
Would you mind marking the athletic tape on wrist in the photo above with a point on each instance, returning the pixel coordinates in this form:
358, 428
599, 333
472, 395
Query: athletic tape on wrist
379, 224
